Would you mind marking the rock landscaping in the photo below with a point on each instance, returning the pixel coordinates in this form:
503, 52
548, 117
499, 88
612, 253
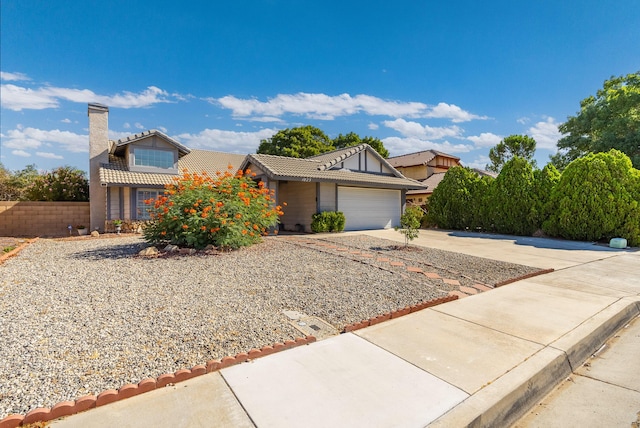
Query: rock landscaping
80, 317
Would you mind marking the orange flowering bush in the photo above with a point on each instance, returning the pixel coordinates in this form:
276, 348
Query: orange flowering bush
228, 211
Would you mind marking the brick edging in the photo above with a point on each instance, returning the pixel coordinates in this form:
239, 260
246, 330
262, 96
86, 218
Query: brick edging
68, 408
398, 313
529, 275
6, 256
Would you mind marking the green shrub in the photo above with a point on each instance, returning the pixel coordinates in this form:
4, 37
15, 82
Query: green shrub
62, 184
410, 224
597, 197
328, 221
512, 199
229, 211
457, 201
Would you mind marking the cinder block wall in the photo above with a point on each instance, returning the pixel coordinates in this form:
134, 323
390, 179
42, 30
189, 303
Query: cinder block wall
32, 219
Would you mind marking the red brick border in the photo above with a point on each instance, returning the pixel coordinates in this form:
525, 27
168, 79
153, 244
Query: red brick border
68, 408
398, 313
6, 256
520, 278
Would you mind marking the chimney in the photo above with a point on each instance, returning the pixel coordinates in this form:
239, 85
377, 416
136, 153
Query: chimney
98, 154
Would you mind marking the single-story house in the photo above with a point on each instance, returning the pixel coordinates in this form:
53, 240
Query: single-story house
356, 180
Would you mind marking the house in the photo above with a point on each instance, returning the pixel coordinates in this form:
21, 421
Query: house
428, 167
355, 180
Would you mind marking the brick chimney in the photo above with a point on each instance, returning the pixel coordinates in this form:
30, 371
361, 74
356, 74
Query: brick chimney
98, 154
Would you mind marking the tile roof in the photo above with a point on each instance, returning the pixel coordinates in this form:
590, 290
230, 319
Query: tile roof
431, 183
417, 158
116, 172
313, 169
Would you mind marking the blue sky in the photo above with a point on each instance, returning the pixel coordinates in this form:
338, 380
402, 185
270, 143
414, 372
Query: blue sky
454, 76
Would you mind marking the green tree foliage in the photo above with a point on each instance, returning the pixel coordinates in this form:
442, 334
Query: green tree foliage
457, 201
300, 142
62, 184
307, 141
512, 199
353, 139
610, 120
544, 180
514, 145
598, 196
13, 185
410, 224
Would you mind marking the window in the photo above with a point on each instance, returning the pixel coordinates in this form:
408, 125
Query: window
142, 195
154, 158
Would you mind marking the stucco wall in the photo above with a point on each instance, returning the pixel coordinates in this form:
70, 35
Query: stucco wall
32, 219
301, 204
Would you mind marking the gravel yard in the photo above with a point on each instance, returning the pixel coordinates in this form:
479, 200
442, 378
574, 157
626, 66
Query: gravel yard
78, 317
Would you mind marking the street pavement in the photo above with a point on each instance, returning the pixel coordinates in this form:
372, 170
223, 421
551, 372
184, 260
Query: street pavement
484, 360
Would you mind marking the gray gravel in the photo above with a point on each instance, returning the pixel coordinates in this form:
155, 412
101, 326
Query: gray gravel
80, 317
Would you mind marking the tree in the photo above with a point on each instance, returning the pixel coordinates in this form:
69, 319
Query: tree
300, 142
598, 196
62, 184
610, 120
410, 224
13, 185
514, 145
353, 139
512, 199
457, 202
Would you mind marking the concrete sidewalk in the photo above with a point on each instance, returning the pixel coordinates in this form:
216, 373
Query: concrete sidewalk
483, 360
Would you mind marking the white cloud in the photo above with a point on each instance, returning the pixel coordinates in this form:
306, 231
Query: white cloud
546, 134
523, 120
162, 129
13, 77
318, 106
138, 125
226, 141
485, 139
49, 155
18, 98
398, 146
21, 153
32, 138
373, 126
480, 162
415, 129
66, 121
126, 125
453, 112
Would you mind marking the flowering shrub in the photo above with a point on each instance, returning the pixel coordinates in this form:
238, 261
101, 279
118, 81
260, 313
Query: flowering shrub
228, 211
62, 184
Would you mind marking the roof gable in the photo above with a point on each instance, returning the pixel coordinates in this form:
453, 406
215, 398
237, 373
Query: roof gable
418, 158
118, 146
324, 168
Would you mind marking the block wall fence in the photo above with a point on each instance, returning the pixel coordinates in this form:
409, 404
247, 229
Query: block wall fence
31, 219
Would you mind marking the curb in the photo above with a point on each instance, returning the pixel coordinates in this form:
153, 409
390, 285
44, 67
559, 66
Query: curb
68, 408
504, 401
527, 276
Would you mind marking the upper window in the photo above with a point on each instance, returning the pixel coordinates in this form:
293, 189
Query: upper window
153, 158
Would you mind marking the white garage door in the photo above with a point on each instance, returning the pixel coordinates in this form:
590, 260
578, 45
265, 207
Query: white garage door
369, 208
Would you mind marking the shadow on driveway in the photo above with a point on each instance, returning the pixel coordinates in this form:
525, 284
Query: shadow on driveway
550, 243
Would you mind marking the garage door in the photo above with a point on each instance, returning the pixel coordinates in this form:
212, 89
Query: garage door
369, 208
